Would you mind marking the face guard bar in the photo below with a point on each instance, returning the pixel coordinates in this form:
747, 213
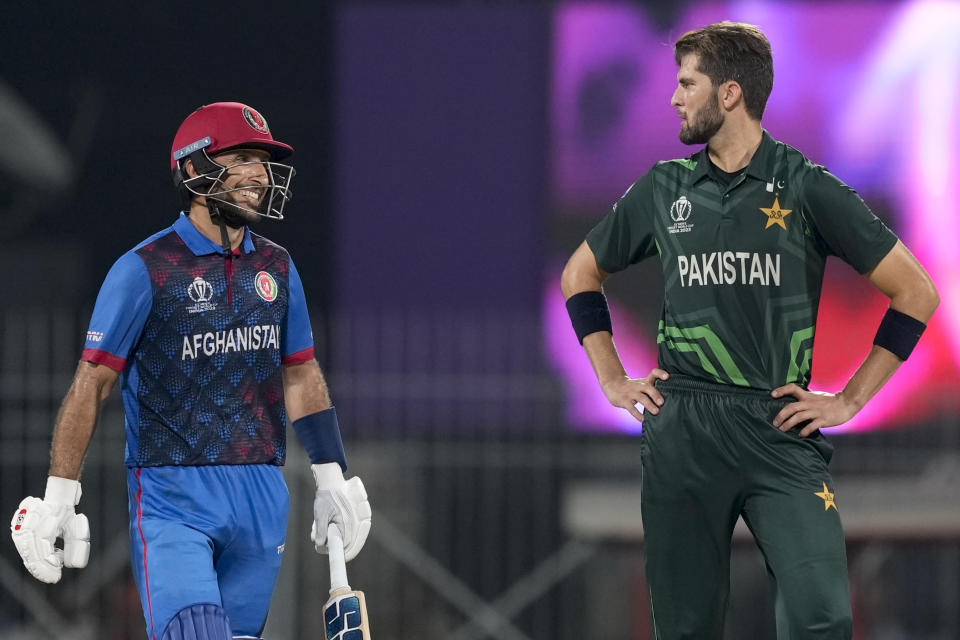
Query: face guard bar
209, 183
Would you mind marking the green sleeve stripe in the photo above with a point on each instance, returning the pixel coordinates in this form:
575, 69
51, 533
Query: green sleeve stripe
705, 333
802, 368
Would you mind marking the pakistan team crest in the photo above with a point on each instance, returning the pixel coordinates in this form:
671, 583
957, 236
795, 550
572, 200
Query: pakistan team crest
265, 286
776, 215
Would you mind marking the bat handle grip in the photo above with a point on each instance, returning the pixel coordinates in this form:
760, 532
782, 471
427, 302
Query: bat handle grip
338, 565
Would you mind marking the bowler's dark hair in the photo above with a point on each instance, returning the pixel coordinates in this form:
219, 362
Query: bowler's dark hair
733, 51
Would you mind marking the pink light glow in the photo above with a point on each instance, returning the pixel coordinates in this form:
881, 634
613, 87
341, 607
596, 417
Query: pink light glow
908, 98
849, 313
877, 101
587, 407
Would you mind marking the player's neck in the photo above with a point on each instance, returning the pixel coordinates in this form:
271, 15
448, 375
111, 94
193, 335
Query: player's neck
200, 218
733, 146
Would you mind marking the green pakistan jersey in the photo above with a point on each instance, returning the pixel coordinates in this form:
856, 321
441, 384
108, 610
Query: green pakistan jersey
742, 263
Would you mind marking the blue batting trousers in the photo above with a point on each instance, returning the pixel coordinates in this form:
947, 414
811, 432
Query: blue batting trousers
207, 534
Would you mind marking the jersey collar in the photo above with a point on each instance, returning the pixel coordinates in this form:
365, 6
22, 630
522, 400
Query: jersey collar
200, 244
760, 165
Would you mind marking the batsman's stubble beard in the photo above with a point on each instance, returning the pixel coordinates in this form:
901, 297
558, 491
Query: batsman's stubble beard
234, 214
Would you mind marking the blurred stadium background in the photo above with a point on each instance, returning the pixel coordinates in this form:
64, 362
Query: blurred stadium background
450, 156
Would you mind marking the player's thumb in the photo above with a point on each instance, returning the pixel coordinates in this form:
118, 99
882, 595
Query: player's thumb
76, 541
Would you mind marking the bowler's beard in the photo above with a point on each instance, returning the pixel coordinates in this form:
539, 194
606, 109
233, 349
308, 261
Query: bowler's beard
705, 125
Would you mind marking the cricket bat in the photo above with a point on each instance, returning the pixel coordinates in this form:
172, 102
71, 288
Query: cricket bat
345, 614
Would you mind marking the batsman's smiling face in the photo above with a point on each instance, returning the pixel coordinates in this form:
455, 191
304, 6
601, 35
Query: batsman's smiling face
696, 102
244, 169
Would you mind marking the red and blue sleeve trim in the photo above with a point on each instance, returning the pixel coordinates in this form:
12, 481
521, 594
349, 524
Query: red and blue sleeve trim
299, 357
96, 356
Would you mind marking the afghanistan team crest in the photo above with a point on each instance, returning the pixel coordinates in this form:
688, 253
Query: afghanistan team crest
265, 286
255, 120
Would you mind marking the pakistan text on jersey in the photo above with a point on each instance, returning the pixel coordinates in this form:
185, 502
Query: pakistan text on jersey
265, 336
729, 267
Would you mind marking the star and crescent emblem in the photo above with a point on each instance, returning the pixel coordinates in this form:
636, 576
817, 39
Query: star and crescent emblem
827, 498
775, 214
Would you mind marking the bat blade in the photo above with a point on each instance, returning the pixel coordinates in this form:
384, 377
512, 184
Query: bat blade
345, 613
345, 616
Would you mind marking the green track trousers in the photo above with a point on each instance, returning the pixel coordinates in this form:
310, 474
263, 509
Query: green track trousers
710, 456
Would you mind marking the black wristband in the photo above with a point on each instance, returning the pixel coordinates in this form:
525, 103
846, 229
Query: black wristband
898, 333
589, 313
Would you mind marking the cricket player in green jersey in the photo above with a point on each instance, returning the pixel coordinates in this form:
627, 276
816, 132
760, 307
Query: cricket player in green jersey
742, 229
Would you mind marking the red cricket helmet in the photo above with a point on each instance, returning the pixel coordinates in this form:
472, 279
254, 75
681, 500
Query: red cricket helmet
225, 125
219, 127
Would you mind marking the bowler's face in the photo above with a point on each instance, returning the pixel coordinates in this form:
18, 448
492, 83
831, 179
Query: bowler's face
695, 100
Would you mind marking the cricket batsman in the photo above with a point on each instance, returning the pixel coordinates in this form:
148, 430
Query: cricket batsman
205, 325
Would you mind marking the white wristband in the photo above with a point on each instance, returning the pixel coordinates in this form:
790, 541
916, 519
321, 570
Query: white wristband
62, 491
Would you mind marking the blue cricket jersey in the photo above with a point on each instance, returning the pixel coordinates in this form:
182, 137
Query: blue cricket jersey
199, 339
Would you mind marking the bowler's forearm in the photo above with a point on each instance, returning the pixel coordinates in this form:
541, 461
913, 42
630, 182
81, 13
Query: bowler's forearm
604, 357
870, 377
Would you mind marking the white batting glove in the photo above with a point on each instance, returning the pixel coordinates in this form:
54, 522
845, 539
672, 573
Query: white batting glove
343, 502
38, 523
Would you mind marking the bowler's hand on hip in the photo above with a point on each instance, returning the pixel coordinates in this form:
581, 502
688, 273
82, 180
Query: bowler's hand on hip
818, 409
627, 393
37, 524
343, 502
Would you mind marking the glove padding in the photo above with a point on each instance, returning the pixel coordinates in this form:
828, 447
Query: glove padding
343, 502
37, 524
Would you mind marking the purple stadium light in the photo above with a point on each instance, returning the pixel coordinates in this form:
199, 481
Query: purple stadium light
871, 90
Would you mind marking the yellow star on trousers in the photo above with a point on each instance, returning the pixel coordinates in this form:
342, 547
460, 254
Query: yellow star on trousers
775, 214
827, 498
